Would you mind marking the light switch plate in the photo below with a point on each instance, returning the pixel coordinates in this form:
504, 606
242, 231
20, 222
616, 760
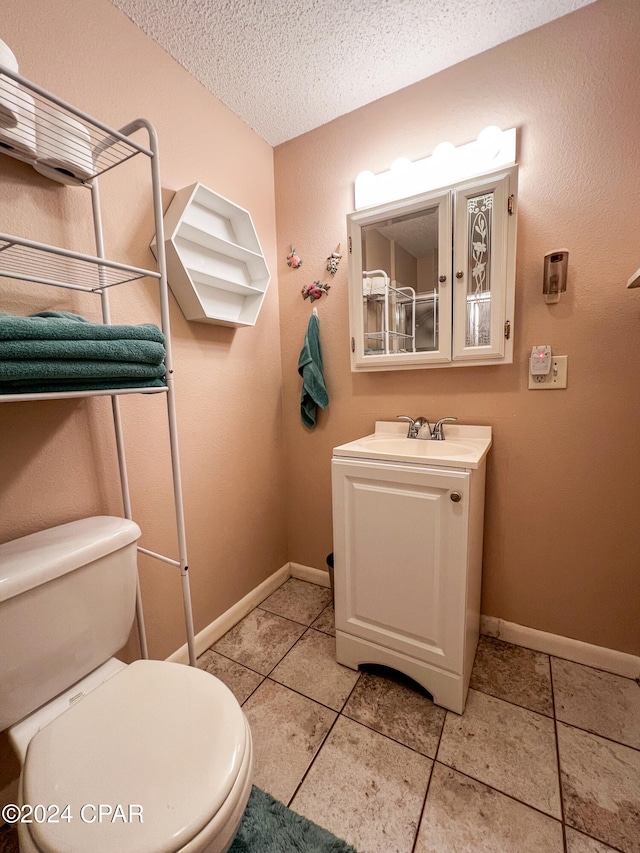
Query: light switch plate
555, 379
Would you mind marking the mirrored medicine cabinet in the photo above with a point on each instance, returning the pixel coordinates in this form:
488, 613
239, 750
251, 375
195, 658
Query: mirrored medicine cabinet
432, 277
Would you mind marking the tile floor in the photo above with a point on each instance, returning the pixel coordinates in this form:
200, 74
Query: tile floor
545, 758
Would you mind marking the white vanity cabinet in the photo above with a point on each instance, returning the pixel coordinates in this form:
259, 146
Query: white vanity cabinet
408, 556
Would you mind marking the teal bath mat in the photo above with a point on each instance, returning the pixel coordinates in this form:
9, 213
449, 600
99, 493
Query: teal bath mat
270, 827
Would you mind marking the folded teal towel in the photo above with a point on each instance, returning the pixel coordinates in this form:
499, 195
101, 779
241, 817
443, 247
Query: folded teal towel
38, 386
19, 370
314, 392
63, 326
149, 352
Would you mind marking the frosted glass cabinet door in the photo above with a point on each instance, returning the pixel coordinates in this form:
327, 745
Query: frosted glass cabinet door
481, 264
401, 554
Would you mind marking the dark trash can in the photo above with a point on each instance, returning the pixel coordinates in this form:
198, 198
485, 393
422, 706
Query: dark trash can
330, 565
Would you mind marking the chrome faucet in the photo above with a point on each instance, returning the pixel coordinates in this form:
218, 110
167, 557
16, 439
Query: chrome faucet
419, 428
438, 430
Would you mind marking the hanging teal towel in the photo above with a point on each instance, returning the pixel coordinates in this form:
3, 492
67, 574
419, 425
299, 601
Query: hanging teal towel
314, 392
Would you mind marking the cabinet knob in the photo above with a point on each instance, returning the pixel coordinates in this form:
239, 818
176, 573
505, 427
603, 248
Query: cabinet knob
442, 278
459, 274
456, 497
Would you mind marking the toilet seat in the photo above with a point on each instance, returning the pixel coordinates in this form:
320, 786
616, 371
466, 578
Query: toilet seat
167, 737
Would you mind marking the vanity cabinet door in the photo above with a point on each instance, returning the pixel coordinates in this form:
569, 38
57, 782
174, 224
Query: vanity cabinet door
400, 551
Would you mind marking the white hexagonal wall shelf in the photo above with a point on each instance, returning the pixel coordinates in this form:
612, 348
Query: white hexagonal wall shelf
215, 265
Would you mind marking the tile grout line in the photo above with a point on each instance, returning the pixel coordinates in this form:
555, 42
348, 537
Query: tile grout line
559, 770
587, 666
424, 805
598, 735
262, 675
552, 717
276, 665
491, 787
298, 693
578, 728
273, 681
313, 761
324, 740
426, 793
498, 791
304, 695
433, 767
233, 660
511, 702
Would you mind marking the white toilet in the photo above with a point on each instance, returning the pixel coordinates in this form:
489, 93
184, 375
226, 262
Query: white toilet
150, 757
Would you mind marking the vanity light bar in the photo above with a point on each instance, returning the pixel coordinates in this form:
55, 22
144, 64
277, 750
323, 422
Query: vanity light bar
493, 149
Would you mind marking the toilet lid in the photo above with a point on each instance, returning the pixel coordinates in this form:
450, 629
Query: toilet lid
143, 762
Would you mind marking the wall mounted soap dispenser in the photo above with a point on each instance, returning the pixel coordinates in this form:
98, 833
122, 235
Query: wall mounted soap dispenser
555, 274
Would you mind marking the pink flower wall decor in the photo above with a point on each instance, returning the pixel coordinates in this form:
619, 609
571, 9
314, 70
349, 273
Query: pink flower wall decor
293, 260
314, 291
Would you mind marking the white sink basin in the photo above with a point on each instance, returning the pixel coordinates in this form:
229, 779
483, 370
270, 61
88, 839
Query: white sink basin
412, 446
462, 447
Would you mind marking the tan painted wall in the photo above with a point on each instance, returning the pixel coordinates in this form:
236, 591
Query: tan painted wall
570, 88
57, 460
406, 268
562, 542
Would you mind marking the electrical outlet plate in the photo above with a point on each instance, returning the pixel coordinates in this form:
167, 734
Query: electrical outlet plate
555, 379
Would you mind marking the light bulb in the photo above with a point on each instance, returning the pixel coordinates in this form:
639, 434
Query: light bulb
489, 141
365, 177
443, 152
401, 166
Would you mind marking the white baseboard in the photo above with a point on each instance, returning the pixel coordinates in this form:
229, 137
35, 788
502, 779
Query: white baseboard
225, 622
306, 573
212, 633
610, 660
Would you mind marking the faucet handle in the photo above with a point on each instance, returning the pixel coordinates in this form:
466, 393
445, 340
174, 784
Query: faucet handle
438, 430
412, 425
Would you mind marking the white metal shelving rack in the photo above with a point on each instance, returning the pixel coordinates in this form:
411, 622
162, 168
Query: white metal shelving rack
378, 288
26, 260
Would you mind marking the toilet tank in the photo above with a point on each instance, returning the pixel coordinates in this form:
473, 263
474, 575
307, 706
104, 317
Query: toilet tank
67, 604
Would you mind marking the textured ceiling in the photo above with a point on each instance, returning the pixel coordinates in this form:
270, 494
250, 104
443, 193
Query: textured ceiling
288, 67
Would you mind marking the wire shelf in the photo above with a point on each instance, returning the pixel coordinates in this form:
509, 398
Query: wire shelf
67, 145
27, 260
73, 395
57, 138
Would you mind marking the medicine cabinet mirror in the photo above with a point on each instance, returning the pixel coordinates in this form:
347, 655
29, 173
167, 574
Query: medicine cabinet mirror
432, 277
